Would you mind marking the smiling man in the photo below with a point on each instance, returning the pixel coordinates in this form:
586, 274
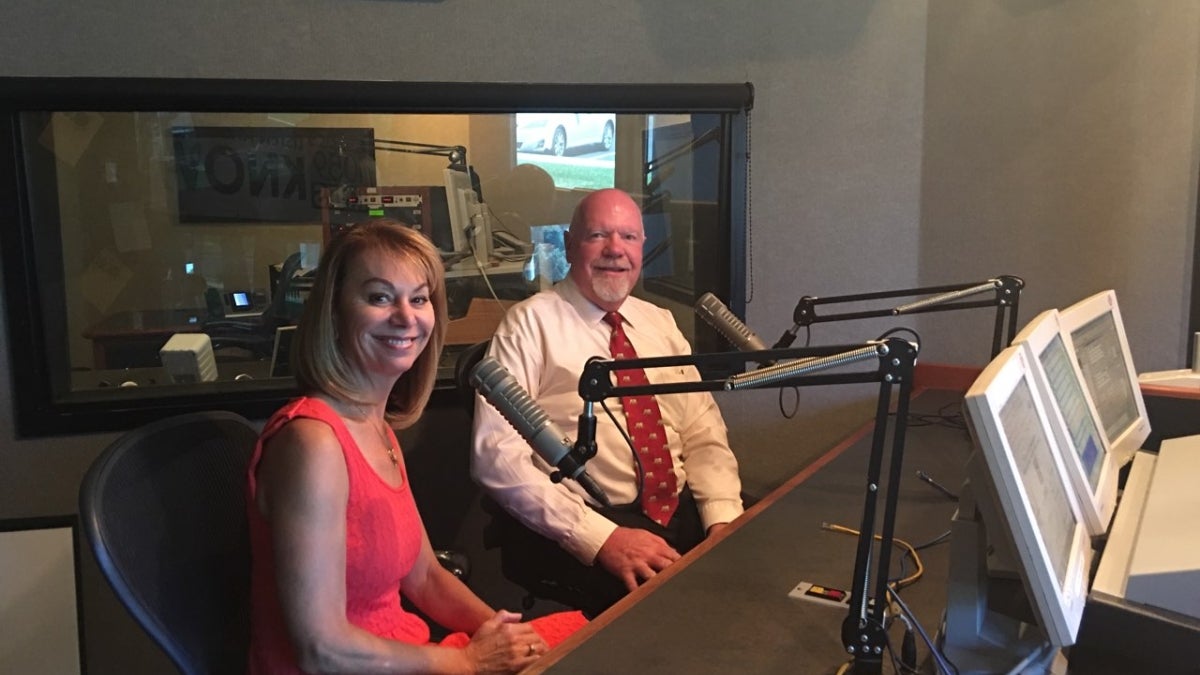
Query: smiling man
673, 481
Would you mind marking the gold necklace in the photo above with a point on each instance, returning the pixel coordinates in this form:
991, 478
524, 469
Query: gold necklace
388, 446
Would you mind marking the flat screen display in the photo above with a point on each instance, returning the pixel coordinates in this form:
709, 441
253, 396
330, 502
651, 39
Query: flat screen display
1085, 437
1040, 477
1102, 361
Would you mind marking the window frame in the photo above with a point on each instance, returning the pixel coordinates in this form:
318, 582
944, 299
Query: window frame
32, 275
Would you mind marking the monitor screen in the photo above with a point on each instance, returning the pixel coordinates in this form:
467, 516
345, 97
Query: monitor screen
1040, 481
549, 252
1101, 351
281, 352
1068, 394
577, 150
1073, 418
239, 300
1025, 470
468, 226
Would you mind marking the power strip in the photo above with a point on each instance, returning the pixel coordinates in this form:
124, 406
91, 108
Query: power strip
822, 595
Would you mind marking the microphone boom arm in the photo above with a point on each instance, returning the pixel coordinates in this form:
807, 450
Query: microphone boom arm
862, 632
456, 155
1007, 297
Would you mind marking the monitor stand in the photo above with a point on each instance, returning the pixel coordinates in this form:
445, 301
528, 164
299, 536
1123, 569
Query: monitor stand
988, 626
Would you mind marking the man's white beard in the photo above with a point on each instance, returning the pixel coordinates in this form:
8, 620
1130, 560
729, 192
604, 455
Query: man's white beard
612, 289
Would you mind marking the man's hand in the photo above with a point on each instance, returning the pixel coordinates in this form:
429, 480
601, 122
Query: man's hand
634, 555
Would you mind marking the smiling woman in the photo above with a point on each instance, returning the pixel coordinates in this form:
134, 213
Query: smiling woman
334, 527
202, 191
387, 316
375, 320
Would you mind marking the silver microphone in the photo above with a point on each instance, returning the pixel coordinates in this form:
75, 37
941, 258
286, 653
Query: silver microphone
716, 314
507, 396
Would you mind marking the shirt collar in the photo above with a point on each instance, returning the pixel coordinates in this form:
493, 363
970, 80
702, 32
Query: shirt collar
590, 313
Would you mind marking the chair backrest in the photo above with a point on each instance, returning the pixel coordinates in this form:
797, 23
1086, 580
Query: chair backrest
278, 307
466, 361
164, 512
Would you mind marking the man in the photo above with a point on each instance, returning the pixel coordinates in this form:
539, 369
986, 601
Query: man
594, 555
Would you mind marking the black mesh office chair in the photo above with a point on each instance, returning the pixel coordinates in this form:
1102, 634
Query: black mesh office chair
164, 511
500, 520
256, 334
468, 359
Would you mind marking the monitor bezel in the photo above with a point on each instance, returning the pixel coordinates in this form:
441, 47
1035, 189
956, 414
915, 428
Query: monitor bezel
1130, 440
1096, 506
462, 202
1057, 606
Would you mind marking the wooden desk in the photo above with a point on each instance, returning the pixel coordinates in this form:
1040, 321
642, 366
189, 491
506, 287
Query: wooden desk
724, 608
1173, 412
479, 324
132, 339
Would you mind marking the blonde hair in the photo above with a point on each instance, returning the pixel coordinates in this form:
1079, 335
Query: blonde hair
322, 366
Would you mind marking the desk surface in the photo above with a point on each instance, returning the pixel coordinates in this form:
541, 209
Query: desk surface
727, 601
148, 322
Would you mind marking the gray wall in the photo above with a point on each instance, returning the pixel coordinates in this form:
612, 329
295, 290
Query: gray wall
895, 144
1060, 146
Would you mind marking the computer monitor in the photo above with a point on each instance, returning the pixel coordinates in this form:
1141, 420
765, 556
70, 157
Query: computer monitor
1101, 351
469, 221
239, 301
549, 252
281, 351
1091, 468
1031, 495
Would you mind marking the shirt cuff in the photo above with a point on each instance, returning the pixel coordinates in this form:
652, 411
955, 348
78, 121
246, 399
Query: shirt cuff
716, 511
589, 535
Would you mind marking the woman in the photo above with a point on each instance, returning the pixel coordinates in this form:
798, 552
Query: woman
335, 532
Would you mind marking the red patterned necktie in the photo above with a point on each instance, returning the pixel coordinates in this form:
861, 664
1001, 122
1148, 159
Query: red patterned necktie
645, 423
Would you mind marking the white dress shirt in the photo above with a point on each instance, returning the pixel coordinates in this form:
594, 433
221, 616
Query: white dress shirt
544, 342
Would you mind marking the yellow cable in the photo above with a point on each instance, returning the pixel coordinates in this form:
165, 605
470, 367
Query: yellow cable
893, 585
897, 585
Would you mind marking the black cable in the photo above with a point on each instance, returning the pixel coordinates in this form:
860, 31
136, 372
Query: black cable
941, 538
908, 649
637, 465
944, 664
928, 480
903, 572
902, 329
795, 404
887, 642
795, 390
940, 418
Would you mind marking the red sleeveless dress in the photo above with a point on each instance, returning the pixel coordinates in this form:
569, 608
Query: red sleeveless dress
383, 539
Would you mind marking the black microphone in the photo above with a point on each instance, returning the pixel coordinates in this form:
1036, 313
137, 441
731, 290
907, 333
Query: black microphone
716, 314
506, 395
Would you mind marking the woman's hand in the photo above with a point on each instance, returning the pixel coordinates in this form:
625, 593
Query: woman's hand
504, 645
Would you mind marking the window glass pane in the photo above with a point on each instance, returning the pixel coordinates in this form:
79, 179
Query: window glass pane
173, 249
